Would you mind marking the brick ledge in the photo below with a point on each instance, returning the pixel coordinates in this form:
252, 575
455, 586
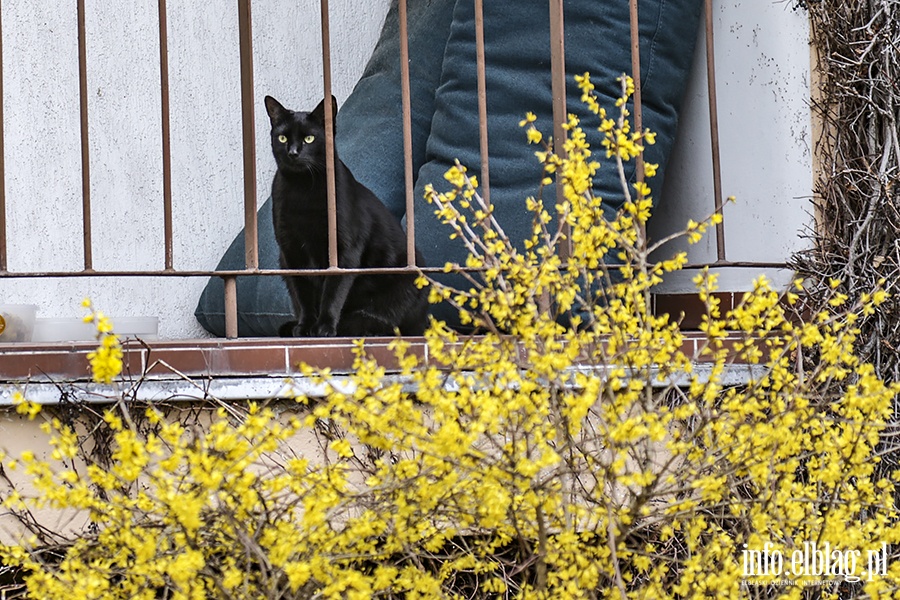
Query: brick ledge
213, 358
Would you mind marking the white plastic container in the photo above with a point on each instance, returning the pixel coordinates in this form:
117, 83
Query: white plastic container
76, 330
16, 322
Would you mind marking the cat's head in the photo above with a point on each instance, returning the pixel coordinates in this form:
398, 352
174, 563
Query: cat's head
298, 138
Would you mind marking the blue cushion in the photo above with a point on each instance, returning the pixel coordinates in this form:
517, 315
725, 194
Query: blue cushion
517, 57
369, 132
445, 118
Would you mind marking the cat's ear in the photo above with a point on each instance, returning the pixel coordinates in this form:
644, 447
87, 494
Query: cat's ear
318, 112
276, 111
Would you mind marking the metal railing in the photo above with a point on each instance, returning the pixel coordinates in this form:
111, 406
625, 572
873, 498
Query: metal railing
248, 102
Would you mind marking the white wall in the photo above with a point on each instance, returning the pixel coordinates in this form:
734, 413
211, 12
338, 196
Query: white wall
763, 92
42, 137
762, 58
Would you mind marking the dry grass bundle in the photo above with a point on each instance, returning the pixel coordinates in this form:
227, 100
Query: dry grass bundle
857, 238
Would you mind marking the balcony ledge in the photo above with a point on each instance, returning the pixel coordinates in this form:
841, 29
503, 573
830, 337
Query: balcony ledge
240, 369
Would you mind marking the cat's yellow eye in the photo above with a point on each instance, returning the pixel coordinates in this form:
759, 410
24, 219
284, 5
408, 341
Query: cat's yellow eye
282, 139
309, 139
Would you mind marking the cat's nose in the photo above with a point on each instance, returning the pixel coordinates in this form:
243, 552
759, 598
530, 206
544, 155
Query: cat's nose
293, 152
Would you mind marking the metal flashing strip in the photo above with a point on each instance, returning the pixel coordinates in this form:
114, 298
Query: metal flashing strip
235, 389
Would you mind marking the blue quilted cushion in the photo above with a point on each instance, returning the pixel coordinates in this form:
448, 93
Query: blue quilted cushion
517, 57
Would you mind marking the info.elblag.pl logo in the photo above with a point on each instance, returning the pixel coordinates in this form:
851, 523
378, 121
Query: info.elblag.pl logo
814, 560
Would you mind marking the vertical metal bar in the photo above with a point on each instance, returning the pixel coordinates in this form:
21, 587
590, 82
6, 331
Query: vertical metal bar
231, 325
248, 126
329, 140
407, 136
636, 75
714, 128
2, 161
558, 91
482, 101
85, 147
166, 139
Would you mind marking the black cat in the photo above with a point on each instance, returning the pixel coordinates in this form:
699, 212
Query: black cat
367, 236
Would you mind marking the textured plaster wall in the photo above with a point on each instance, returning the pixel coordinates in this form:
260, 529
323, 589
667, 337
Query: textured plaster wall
763, 86
763, 92
42, 137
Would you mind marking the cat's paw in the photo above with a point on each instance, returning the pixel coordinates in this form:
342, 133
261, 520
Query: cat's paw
323, 330
297, 329
302, 330
287, 329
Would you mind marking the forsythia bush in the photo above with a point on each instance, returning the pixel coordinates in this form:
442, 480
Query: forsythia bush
596, 460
